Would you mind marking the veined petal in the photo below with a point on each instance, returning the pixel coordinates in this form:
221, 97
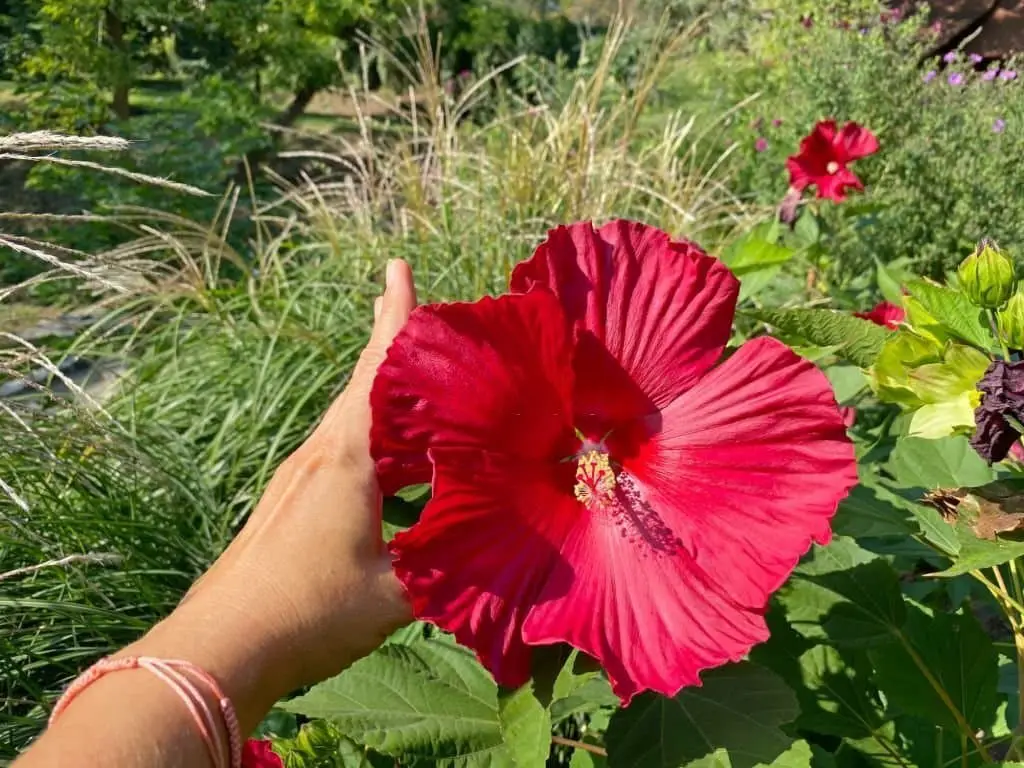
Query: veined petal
748, 467
657, 311
638, 603
855, 141
491, 375
486, 544
834, 185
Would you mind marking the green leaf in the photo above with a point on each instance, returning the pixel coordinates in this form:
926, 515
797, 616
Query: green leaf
871, 511
807, 230
927, 744
753, 283
739, 708
575, 693
430, 701
832, 686
936, 531
847, 381
797, 756
949, 462
581, 758
844, 594
526, 728
944, 662
954, 312
878, 751
756, 251
858, 341
887, 284
593, 694
975, 553
320, 744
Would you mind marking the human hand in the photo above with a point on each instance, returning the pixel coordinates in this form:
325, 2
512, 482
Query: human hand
306, 588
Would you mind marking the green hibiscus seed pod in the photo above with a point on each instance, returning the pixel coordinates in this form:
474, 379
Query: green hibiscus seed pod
987, 277
1011, 321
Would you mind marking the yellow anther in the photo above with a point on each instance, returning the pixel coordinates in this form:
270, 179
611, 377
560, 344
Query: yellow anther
832, 167
595, 478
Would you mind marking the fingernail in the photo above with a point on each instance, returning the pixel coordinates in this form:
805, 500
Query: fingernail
390, 273
378, 307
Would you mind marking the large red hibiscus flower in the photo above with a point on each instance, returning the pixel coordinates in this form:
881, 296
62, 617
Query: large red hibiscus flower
824, 156
597, 479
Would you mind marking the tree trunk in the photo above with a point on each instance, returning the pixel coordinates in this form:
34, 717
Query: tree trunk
286, 119
300, 101
114, 27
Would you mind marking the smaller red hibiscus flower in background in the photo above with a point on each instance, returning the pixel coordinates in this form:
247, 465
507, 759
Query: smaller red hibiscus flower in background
824, 156
884, 313
258, 753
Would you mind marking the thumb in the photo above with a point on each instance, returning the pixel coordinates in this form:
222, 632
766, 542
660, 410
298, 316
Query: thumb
390, 315
391, 311
398, 302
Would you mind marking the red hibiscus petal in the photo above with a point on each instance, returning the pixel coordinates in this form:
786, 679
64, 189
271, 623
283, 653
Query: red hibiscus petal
801, 175
652, 315
823, 133
494, 375
885, 314
748, 468
485, 545
833, 186
855, 141
639, 604
259, 753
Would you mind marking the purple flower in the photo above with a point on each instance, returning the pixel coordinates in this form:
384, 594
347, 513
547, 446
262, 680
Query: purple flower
1007, 74
990, 74
807, 21
761, 144
999, 125
465, 74
976, 58
1002, 394
929, 76
950, 57
776, 122
955, 79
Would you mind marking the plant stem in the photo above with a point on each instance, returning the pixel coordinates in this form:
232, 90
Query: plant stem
592, 748
999, 337
1000, 593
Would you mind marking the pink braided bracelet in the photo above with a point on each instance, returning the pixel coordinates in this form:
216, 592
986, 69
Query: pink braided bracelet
176, 674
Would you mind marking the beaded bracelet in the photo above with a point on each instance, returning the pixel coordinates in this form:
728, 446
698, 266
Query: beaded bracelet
181, 677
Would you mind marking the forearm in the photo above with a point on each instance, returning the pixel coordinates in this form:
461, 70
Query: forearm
132, 719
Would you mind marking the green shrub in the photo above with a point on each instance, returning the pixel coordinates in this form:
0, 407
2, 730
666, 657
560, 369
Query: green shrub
941, 180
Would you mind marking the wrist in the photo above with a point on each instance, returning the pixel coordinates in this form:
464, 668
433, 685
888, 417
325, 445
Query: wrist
243, 652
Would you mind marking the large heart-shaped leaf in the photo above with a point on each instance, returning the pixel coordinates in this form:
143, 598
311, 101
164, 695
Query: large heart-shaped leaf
738, 709
844, 594
431, 700
949, 462
944, 669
